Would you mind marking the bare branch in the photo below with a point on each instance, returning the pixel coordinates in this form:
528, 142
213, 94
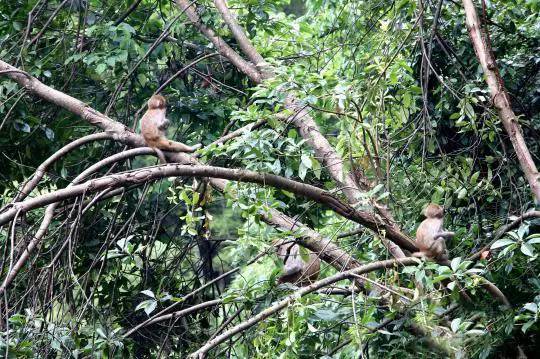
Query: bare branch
49, 212
247, 68
153, 173
238, 33
180, 313
309, 238
40, 171
500, 98
129, 10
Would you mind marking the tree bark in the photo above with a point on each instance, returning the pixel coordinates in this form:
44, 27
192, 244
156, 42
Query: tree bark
500, 98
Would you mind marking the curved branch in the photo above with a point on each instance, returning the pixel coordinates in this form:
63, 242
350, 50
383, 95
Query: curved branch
309, 238
40, 171
282, 304
153, 173
49, 211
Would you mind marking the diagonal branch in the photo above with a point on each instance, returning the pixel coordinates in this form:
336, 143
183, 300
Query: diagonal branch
499, 96
246, 67
301, 119
284, 303
245, 44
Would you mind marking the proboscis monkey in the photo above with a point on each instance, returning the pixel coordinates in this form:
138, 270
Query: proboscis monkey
430, 235
153, 127
297, 270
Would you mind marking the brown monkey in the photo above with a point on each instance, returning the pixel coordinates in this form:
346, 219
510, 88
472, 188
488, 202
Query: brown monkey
296, 270
430, 235
153, 126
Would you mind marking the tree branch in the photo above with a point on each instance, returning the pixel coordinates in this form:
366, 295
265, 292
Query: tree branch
282, 304
49, 211
247, 68
500, 98
301, 118
309, 238
153, 173
245, 44
42, 168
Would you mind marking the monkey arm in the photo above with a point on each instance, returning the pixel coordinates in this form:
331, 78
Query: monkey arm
164, 124
444, 235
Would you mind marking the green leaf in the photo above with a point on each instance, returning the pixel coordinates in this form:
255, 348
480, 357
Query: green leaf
454, 264
306, 160
149, 293
502, 243
302, 171
532, 307
454, 325
101, 68
527, 249
474, 177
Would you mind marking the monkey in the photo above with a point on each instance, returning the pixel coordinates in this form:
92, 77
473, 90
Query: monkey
153, 126
430, 235
297, 270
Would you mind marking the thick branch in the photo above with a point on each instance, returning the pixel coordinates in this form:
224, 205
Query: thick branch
301, 118
153, 173
311, 239
500, 98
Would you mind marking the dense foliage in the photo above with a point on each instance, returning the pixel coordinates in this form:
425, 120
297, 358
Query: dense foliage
395, 87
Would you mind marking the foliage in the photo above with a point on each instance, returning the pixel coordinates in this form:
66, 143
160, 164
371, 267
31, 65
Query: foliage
358, 67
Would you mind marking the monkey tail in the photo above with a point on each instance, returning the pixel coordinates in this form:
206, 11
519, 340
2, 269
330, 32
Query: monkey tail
160, 155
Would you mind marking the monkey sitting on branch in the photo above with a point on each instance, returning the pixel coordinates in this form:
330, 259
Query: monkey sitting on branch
430, 240
297, 270
431, 235
153, 127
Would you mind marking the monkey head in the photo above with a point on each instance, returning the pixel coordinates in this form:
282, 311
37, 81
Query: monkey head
157, 102
433, 210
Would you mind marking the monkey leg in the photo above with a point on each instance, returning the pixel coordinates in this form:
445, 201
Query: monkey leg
164, 144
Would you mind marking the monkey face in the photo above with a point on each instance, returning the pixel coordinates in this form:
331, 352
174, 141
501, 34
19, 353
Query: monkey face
157, 102
433, 210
